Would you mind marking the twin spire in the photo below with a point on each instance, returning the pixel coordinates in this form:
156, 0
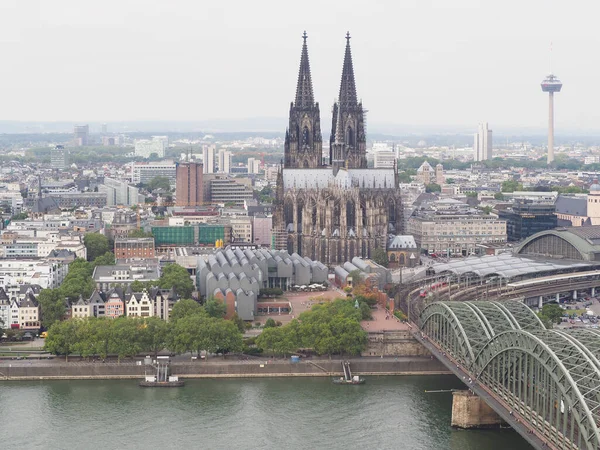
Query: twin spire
304, 90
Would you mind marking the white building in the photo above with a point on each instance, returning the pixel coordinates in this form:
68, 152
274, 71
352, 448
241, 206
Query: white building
146, 147
384, 159
140, 305
224, 161
208, 158
144, 172
58, 157
120, 193
253, 165
482, 144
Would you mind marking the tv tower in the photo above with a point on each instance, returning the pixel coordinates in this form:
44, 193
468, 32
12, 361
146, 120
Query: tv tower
551, 84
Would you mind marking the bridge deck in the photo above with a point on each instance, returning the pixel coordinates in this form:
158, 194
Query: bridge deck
501, 409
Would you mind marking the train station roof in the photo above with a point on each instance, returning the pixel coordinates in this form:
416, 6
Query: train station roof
509, 266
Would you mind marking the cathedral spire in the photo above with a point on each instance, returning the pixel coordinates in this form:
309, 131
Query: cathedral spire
348, 86
304, 90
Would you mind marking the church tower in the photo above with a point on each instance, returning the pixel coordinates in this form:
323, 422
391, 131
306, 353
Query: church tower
348, 141
303, 141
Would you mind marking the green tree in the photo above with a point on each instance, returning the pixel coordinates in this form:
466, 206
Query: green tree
471, 194
551, 314
176, 276
186, 335
159, 183
127, 337
511, 186
433, 187
499, 196
20, 216
222, 336
486, 210
96, 245
270, 323
62, 338
184, 308
215, 308
380, 256
239, 323
138, 233
154, 335
52, 306
107, 259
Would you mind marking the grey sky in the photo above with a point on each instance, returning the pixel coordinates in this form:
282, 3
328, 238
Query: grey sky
416, 62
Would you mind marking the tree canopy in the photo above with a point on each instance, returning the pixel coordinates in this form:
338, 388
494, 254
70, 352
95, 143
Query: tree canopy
176, 276
96, 245
380, 256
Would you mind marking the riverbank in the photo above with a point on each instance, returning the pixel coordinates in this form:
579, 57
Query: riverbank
60, 370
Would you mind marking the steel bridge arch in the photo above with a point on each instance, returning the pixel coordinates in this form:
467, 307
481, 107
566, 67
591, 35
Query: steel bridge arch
529, 370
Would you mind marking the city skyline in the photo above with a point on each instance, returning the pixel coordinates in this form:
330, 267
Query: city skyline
421, 65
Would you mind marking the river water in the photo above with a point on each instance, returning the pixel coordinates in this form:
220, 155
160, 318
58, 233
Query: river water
281, 413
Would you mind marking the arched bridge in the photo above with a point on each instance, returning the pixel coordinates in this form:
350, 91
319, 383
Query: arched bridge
550, 378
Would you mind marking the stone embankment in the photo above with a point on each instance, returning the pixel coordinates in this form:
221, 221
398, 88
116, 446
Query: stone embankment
60, 370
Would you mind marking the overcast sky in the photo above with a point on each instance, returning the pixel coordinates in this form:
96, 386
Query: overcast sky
425, 63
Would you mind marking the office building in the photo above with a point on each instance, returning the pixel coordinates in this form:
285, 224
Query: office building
451, 228
384, 159
144, 172
134, 248
224, 161
190, 189
208, 158
58, 158
482, 144
81, 134
528, 216
119, 192
253, 165
147, 147
229, 190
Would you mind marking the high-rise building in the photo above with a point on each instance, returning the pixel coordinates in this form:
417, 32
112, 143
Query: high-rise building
253, 165
189, 190
224, 161
58, 157
551, 84
482, 145
104, 128
384, 159
146, 147
81, 133
208, 158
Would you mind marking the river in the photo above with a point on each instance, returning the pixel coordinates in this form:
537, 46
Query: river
281, 413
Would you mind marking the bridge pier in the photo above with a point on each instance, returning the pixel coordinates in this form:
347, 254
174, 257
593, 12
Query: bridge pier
575, 294
469, 411
593, 292
541, 302
558, 298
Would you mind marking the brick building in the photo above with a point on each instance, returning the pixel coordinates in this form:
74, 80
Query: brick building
138, 248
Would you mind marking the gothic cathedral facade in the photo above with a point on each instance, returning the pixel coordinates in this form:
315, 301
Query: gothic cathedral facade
332, 209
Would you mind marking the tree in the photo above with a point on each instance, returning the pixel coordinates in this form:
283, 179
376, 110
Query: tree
222, 336
270, 323
511, 186
380, 256
159, 183
107, 259
551, 314
499, 196
184, 308
52, 306
471, 194
239, 323
433, 187
486, 210
127, 340
96, 245
176, 276
139, 233
20, 216
62, 337
154, 335
356, 277
215, 308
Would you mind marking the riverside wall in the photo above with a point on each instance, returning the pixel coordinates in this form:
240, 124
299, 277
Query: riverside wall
221, 369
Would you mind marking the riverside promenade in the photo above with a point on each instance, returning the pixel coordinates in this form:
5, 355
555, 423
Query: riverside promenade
218, 368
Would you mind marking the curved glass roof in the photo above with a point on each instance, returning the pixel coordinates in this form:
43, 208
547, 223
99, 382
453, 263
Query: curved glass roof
505, 265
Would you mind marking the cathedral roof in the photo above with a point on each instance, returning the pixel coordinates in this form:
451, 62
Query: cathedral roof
304, 90
348, 86
345, 178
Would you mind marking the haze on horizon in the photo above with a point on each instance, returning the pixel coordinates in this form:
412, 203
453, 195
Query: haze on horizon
422, 63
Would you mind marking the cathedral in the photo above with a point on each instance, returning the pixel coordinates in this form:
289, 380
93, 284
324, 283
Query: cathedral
332, 208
